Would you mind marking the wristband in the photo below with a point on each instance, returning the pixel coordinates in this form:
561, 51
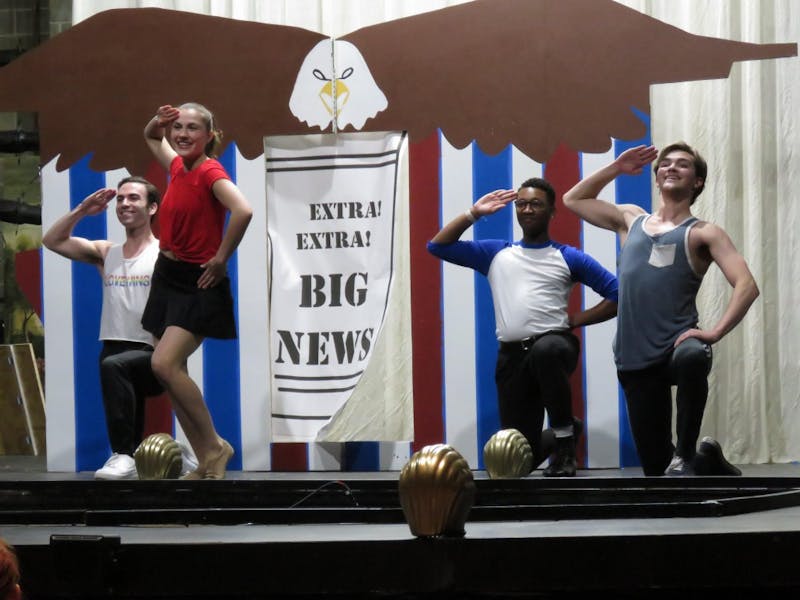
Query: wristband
470, 216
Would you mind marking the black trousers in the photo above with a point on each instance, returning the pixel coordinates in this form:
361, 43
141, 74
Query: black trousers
532, 378
126, 379
648, 396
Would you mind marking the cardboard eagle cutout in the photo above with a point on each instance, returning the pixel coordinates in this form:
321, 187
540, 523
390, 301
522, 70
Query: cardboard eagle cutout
533, 73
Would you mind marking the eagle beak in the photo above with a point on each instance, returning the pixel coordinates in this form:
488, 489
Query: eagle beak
326, 94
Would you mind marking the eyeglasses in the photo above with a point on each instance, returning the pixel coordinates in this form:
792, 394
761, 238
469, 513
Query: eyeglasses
523, 204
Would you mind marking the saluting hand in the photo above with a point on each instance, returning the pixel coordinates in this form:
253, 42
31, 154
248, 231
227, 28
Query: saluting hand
634, 159
166, 114
97, 202
492, 202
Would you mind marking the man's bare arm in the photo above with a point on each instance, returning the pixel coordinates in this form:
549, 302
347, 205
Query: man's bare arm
736, 271
59, 238
583, 199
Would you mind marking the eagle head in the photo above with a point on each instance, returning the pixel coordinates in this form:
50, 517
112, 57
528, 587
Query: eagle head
334, 85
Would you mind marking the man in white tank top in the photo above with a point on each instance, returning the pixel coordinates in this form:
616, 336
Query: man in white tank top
125, 372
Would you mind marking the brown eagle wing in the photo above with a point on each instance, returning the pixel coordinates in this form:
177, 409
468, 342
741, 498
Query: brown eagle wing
535, 73
96, 85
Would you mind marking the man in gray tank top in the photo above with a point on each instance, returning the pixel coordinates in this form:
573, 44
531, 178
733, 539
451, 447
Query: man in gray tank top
658, 342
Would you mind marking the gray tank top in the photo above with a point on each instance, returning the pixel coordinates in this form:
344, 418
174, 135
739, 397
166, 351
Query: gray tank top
657, 291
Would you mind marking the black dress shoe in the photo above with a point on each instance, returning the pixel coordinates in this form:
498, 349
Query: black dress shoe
563, 463
709, 460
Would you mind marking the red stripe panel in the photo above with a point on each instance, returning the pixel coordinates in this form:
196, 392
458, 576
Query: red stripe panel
157, 410
157, 415
426, 287
290, 457
28, 273
563, 172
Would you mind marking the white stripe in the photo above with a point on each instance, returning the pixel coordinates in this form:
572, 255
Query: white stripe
600, 380
458, 312
58, 341
115, 230
252, 300
325, 456
394, 455
522, 168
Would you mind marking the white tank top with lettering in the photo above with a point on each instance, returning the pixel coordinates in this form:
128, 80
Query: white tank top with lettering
126, 286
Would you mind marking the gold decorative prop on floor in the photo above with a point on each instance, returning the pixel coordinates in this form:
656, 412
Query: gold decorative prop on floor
158, 457
437, 491
507, 455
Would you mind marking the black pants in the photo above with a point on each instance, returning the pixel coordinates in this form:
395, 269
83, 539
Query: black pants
532, 379
648, 395
126, 379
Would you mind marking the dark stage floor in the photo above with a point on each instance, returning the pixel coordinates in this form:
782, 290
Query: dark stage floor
343, 535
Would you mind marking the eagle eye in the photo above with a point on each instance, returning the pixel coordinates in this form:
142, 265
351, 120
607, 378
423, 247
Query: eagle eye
346, 73
320, 75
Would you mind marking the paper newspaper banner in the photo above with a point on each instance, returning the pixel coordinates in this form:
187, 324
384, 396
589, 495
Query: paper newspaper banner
337, 223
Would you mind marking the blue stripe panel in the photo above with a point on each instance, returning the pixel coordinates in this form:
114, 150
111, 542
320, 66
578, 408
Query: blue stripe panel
221, 388
91, 437
635, 189
632, 190
361, 456
441, 293
489, 173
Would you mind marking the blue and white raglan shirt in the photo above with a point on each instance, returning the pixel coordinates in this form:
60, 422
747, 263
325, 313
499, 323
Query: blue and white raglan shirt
530, 283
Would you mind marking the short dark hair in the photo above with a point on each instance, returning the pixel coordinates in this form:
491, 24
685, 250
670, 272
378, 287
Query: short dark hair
541, 184
700, 165
153, 195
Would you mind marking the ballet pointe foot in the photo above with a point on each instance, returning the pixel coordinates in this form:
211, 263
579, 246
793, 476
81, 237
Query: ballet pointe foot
215, 469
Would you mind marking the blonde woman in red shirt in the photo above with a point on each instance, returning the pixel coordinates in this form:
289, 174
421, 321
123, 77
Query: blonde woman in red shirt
190, 297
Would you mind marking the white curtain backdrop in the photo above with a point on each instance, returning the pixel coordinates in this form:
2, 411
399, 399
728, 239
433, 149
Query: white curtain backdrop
747, 128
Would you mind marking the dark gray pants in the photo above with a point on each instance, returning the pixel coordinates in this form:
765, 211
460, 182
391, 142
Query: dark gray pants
126, 379
533, 378
648, 396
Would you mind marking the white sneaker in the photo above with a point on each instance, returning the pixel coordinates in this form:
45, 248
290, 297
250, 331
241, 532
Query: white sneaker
188, 457
118, 466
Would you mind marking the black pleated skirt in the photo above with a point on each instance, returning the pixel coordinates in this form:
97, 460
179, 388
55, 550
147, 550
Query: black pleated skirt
176, 300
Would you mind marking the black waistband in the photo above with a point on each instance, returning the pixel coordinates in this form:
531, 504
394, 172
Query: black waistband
521, 345
525, 344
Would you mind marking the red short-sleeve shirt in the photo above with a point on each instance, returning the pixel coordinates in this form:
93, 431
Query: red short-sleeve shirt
191, 220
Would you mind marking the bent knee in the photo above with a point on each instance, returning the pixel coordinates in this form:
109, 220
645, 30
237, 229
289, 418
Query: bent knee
111, 363
692, 356
163, 369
